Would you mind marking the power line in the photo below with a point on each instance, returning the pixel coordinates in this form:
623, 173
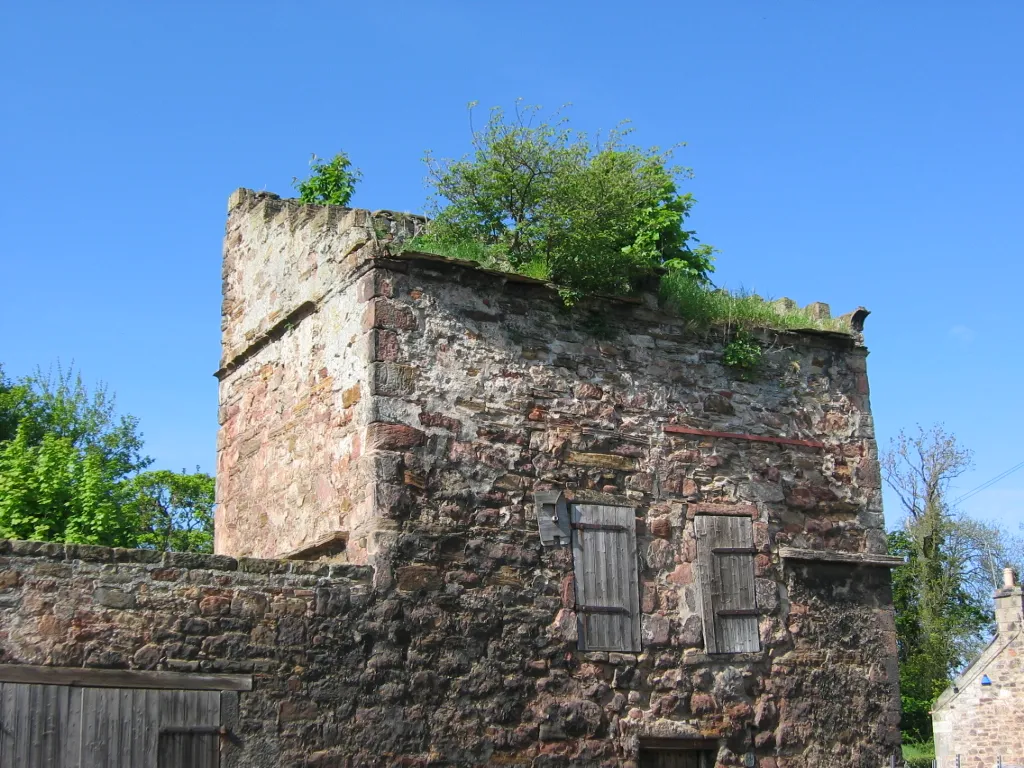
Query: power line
989, 483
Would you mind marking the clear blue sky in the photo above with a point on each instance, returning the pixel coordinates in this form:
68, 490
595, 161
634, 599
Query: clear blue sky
858, 153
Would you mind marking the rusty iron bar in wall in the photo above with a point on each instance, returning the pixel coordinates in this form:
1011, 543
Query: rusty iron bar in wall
676, 429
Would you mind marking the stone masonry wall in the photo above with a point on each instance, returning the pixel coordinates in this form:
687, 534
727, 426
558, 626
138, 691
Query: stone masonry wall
459, 665
982, 723
291, 401
421, 431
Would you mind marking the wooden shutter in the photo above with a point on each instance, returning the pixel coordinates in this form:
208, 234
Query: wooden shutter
725, 567
607, 589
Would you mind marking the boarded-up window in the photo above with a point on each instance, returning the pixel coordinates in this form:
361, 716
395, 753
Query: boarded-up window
672, 758
607, 590
725, 567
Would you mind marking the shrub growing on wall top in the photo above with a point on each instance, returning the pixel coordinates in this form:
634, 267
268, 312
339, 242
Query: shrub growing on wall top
332, 182
539, 198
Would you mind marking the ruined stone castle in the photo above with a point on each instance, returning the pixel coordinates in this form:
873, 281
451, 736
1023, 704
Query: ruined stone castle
461, 524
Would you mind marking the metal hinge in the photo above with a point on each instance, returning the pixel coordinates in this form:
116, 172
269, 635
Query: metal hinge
602, 609
599, 527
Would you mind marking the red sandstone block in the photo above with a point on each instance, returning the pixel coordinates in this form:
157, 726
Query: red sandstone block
569, 591
438, 420
683, 574
393, 437
660, 527
384, 346
702, 702
375, 283
384, 313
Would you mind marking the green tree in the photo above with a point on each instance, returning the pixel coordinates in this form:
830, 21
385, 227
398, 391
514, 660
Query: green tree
332, 182
943, 595
173, 511
12, 398
592, 216
62, 475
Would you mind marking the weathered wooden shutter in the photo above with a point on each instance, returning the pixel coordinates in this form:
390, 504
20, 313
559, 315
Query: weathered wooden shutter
725, 568
607, 589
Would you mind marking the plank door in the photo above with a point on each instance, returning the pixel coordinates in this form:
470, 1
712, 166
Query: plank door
607, 588
36, 725
725, 569
59, 726
189, 729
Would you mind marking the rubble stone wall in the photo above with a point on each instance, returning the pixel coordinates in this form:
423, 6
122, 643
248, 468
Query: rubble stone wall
415, 404
461, 664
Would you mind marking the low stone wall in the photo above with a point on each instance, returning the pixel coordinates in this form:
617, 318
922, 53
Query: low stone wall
462, 663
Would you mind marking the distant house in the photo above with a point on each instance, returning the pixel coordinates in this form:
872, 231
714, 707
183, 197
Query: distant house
980, 718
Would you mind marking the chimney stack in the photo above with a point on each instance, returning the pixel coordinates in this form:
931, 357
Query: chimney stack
1009, 605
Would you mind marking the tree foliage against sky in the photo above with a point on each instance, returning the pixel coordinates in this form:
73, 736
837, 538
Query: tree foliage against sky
330, 182
71, 470
591, 215
943, 596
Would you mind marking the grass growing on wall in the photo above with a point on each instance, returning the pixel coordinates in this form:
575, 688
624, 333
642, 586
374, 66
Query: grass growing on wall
700, 303
707, 306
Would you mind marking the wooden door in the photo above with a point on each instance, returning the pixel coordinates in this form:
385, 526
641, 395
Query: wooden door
38, 725
57, 726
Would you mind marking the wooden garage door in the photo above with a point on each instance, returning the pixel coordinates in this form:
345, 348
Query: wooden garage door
58, 726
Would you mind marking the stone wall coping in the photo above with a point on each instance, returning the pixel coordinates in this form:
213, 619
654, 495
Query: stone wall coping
831, 556
49, 550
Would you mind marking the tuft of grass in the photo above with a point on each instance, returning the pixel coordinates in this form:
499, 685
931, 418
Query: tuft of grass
705, 306
536, 269
468, 250
489, 256
918, 755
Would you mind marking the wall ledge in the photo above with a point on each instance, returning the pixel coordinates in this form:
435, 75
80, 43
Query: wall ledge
829, 556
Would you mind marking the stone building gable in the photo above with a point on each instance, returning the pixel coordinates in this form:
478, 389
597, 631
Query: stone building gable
980, 717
